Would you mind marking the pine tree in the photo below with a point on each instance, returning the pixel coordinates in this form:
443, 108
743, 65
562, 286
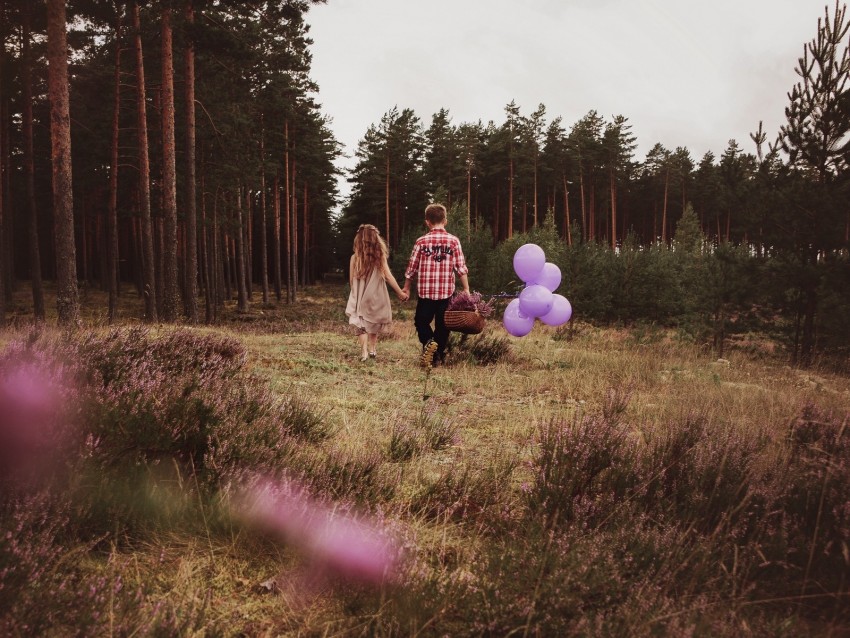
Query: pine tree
147, 256
619, 145
29, 163
191, 263
816, 140
170, 293
67, 296
816, 134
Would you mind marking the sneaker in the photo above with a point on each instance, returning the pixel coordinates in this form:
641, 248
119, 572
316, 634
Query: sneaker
373, 355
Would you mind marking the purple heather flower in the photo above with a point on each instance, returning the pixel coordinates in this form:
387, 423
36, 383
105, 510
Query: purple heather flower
351, 547
30, 399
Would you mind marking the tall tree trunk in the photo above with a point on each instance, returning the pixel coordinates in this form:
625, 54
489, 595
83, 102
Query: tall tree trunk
807, 343
7, 248
664, 208
398, 216
286, 214
387, 196
205, 251
584, 228
305, 279
294, 236
3, 136
158, 243
510, 231
112, 212
241, 288
847, 230
264, 257
29, 166
248, 235
592, 208
138, 253
468, 202
225, 254
171, 291
67, 295
84, 249
148, 263
278, 284
191, 268
216, 267
613, 185
534, 207
496, 217
524, 211
567, 223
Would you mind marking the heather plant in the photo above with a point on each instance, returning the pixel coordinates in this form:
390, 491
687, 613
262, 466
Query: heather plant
428, 431
438, 432
30, 551
678, 503
555, 583
43, 588
816, 528
345, 474
185, 397
717, 495
484, 349
465, 494
471, 302
332, 537
146, 413
705, 475
405, 442
834, 314
304, 419
583, 466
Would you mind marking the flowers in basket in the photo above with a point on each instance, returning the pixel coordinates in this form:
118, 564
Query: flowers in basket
467, 311
472, 302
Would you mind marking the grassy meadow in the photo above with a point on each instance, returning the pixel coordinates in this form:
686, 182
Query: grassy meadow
580, 481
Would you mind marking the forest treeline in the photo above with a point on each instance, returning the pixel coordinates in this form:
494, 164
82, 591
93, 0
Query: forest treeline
785, 205
178, 147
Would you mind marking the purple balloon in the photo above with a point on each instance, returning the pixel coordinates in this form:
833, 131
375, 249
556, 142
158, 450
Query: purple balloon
516, 323
528, 261
535, 300
560, 313
549, 277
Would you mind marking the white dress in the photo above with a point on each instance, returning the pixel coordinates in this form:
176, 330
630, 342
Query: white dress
368, 306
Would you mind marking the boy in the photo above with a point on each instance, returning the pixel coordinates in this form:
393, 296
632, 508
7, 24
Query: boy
436, 256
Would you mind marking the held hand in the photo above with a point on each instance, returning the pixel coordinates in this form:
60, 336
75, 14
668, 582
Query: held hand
404, 295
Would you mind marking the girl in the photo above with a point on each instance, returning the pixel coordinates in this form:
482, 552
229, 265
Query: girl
368, 308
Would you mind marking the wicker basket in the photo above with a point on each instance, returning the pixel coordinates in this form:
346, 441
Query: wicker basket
465, 321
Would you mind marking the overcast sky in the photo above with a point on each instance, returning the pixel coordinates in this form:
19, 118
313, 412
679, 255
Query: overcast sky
684, 72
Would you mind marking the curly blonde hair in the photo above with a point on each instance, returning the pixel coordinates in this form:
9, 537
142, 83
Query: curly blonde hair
369, 250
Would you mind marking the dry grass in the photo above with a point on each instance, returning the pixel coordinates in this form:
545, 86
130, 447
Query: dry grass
220, 578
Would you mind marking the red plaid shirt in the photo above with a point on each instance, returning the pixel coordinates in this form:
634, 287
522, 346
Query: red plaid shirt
436, 256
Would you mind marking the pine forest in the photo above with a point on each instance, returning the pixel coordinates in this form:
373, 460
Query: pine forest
192, 444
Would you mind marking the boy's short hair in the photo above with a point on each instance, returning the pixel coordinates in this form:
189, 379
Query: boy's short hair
435, 213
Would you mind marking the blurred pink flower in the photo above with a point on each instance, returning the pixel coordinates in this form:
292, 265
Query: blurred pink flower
355, 548
30, 403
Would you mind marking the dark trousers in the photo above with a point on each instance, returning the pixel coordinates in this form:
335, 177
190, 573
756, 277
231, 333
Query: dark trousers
428, 310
